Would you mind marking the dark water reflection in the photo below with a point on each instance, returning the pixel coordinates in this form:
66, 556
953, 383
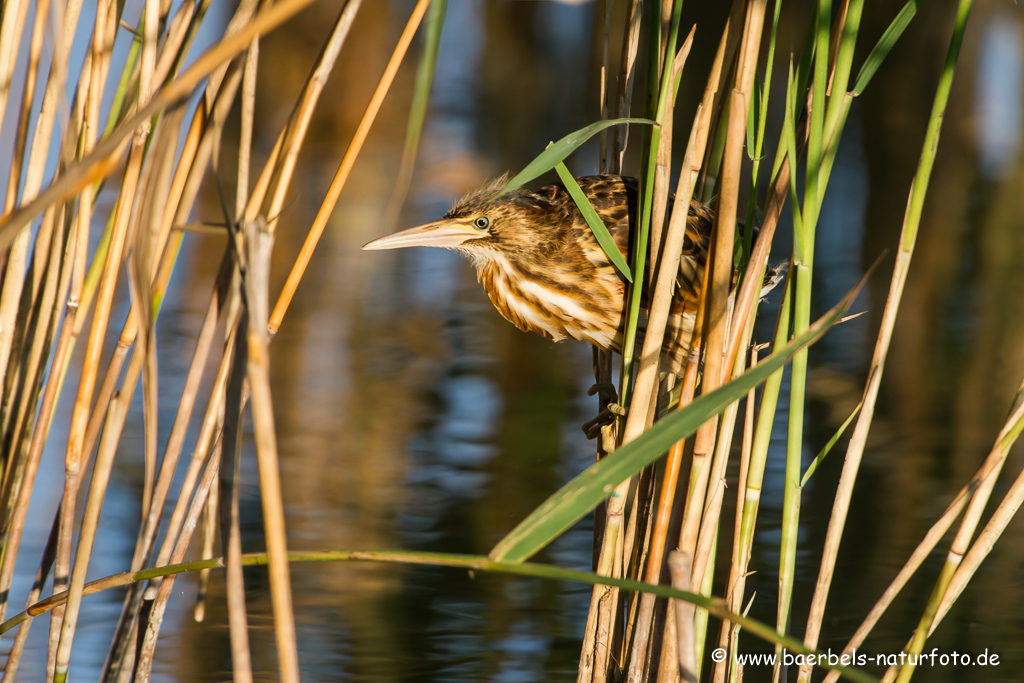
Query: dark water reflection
411, 416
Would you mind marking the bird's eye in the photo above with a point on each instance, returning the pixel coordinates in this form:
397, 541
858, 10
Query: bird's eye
483, 222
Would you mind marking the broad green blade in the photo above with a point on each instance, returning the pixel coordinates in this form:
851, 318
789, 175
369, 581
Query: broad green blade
558, 151
597, 226
881, 50
582, 494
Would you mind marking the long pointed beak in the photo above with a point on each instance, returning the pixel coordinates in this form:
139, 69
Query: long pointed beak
443, 233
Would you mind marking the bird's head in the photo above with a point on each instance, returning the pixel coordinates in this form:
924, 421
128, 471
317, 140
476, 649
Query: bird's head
482, 224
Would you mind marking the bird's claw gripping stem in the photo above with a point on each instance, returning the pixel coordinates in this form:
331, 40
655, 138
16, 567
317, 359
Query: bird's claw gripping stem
596, 426
604, 388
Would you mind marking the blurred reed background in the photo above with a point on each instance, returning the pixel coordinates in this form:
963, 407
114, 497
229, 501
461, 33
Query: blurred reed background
410, 415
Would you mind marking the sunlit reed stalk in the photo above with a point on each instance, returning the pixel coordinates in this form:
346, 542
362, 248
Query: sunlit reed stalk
228, 485
904, 255
618, 545
298, 125
716, 311
1000, 518
11, 424
258, 245
12, 26
599, 636
347, 162
646, 382
648, 366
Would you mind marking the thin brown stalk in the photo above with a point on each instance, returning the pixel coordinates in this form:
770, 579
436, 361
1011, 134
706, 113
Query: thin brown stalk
298, 124
680, 565
87, 531
858, 442
646, 376
209, 533
17, 257
986, 540
12, 27
923, 550
259, 243
245, 136
720, 266
595, 657
627, 77
347, 162
18, 646
207, 487
231, 539
35, 449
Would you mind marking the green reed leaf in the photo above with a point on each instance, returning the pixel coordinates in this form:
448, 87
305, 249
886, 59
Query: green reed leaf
558, 151
820, 457
597, 226
881, 50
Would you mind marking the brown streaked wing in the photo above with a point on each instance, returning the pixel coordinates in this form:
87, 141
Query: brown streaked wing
694, 259
613, 197
615, 200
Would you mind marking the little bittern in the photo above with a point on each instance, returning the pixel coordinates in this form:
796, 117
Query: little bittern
545, 272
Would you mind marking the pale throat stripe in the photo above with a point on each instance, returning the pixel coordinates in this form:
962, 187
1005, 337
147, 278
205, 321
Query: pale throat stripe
525, 309
554, 299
